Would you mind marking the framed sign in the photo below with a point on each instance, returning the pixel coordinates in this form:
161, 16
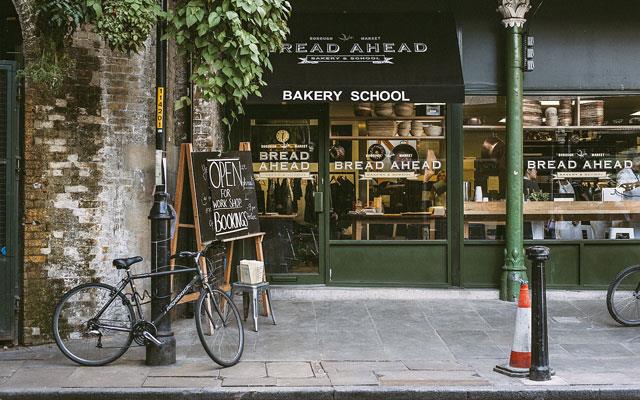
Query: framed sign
225, 194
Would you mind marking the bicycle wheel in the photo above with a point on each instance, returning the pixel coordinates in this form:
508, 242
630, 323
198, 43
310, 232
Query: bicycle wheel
85, 337
219, 327
623, 297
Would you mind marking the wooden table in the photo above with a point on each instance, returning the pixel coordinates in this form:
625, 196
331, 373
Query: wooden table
556, 210
358, 221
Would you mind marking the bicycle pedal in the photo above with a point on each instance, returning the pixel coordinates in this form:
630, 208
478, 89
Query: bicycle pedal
151, 338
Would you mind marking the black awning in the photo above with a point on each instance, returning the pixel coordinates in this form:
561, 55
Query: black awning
367, 57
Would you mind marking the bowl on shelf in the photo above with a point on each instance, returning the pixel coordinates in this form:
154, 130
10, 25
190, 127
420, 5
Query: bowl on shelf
363, 109
404, 109
433, 130
384, 109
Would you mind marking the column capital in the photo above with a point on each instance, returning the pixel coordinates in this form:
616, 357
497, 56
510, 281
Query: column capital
513, 12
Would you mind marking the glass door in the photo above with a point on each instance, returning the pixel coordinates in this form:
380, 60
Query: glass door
286, 146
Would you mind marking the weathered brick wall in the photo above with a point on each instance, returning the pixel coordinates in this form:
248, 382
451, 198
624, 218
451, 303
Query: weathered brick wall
88, 172
207, 127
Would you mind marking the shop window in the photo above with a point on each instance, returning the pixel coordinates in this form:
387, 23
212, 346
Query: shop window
388, 171
581, 166
285, 165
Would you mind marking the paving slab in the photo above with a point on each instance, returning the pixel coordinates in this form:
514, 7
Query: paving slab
431, 378
247, 369
359, 366
187, 369
428, 365
554, 381
115, 376
303, 382
45, 377
290, 369
353, 378
608, 350
8, 368
249, 382
610, 378
181, 382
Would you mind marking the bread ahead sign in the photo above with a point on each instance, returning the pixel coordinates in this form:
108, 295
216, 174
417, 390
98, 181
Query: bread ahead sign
345, 49
367, 57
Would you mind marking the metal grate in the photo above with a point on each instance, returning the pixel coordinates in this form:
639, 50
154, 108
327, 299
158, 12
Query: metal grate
216, 260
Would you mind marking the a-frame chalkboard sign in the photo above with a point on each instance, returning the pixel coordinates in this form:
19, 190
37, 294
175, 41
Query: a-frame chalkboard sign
221, 188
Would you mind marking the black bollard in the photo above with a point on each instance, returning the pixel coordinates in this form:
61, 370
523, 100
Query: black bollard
539, 370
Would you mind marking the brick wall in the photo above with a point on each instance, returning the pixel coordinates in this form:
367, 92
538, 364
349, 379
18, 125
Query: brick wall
88, 170
88, 177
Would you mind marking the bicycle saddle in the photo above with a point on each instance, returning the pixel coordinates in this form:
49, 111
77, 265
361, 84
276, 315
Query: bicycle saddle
125, 263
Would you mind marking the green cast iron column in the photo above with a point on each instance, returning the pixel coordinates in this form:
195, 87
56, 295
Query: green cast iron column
514, 269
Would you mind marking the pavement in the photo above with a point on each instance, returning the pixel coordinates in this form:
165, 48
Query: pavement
364, 348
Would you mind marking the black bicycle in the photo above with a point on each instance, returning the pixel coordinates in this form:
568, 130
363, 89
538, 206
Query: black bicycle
623, 297
95, 323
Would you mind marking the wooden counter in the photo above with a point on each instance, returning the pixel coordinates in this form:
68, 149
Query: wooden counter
558, 210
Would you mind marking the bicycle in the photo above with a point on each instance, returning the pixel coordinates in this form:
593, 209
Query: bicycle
95, 323
623, 297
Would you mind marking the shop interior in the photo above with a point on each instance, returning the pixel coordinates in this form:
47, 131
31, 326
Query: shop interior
581, 164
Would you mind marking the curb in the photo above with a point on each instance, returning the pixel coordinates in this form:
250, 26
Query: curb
329, 393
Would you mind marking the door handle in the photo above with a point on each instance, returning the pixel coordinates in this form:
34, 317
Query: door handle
318, 201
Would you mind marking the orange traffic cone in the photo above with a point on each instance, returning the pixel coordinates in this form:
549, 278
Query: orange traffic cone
520, 359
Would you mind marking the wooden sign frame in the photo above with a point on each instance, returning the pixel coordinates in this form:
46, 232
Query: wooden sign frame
185, 167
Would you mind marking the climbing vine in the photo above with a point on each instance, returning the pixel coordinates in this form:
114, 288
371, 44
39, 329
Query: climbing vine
124, 24
230, 42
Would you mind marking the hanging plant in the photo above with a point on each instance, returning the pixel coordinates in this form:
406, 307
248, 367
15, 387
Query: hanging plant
48, 71
124, 24
56, 22
230, 42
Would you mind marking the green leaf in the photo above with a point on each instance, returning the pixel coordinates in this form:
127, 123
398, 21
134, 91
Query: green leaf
214, 19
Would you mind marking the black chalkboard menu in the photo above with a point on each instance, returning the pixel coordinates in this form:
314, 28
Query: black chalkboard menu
226, 194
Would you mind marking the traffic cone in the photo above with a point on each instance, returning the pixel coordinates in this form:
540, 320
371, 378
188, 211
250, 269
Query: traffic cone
520, 358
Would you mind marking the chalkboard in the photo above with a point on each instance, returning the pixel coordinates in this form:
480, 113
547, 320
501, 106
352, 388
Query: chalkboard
226, 194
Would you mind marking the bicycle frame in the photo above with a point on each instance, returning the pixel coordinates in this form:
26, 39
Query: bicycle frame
129, 281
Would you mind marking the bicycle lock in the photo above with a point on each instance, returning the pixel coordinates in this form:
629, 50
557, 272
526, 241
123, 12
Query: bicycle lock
160, 216
539, 370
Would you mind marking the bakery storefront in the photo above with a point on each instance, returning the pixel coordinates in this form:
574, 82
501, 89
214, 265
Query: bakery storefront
377, 163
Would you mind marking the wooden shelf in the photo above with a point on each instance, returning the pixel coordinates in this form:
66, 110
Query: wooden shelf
386, 137
612, 128
430, 118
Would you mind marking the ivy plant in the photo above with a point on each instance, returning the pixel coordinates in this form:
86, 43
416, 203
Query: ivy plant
124, 24
230, 42
56, 21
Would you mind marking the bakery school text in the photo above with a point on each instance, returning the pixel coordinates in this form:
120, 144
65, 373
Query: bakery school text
336, 95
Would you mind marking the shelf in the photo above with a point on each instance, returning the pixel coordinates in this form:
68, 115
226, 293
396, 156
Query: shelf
386, 137
430, 118
611, 128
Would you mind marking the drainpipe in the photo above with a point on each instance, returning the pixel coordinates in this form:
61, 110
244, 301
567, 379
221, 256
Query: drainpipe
513, 271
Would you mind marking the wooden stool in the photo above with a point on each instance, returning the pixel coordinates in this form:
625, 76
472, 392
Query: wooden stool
254, 290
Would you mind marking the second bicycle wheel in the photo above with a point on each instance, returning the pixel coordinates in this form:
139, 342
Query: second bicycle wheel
92, 325
219, 327
623, 297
